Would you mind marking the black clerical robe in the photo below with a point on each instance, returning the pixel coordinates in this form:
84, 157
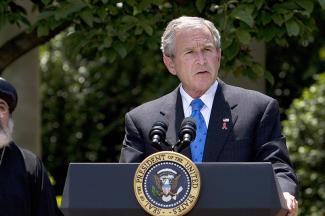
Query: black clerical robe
25, 189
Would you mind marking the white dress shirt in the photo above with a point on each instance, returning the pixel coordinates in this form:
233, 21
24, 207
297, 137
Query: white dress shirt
207, 99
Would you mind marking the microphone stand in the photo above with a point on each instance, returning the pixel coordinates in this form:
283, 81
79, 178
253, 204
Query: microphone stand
180, 146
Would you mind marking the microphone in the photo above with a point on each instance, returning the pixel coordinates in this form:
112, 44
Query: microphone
157, 134
187, 133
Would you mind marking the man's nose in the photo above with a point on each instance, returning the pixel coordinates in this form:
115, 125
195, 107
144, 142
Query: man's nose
200, 58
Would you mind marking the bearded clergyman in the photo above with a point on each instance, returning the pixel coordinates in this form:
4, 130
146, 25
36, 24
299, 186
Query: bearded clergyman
25, 189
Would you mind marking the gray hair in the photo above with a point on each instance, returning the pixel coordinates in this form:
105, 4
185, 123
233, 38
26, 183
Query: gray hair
168, 38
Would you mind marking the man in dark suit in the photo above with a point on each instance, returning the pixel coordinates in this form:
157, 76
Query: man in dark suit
236, 124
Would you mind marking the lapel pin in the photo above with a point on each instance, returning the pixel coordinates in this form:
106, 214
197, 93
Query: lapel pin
224, 123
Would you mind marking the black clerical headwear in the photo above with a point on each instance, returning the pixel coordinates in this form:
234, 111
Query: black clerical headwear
8, 93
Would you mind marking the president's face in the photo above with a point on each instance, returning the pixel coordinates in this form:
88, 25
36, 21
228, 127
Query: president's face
196, 62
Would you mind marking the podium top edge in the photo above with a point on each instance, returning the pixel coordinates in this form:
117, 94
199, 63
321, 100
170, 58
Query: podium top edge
198, 164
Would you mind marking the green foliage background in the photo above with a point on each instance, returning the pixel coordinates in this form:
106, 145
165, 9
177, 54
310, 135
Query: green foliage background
305, 132
294, 67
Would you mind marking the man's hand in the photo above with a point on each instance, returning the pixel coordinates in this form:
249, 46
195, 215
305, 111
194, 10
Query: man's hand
292, 204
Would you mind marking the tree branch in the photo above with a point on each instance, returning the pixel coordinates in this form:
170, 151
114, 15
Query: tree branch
24, 42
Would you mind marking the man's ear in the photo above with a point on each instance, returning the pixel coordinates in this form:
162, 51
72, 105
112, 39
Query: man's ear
168, 61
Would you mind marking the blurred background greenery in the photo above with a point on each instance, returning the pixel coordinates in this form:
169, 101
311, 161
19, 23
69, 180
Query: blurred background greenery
305, 132
101, 58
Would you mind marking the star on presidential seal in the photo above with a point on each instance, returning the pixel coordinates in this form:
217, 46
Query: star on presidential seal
167, 183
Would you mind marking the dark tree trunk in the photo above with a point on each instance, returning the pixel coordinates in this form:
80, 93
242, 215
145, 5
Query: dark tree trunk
22, 43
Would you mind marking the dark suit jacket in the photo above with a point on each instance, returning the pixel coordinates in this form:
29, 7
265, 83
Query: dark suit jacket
253, 132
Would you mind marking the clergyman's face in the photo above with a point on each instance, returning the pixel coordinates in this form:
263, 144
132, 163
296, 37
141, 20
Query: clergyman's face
4, 113
5, 127
196, 62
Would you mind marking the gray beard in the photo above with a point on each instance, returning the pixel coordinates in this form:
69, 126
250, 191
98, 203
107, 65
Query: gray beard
6, 133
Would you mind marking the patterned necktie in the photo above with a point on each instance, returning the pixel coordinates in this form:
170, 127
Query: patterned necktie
197, 146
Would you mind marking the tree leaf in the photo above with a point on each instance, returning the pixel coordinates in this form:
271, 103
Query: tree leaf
292, 28
46, 2
45, 15
259, 3
200, 4
226, 42
249, 72
265, 18
284, 6
3, 20
108, 41
258, 69
138, 30
112, 10
129, 19
306, 4
147, 28
288, 16
278, 19
243, 36
269, 33
120, 49
42, 30
322, 4
232, 50
25, 21
16, 8
269, 77
244, 16
111, 55
106, 44
68, 8
87, 17
144, 5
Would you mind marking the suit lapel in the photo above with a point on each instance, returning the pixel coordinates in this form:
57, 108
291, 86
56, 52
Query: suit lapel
169, 112
179, 118
222, 120
173, 112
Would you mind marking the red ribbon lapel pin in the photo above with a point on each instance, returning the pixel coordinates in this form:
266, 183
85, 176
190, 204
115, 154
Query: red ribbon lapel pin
224, 123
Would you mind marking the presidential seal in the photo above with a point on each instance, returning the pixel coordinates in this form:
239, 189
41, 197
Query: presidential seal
167, 183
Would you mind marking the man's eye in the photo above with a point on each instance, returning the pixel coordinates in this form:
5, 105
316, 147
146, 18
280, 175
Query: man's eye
188, 52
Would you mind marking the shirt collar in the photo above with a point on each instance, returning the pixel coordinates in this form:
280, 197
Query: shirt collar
207, 97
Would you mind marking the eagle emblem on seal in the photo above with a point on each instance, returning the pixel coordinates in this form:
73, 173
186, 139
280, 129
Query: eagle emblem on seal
166, 185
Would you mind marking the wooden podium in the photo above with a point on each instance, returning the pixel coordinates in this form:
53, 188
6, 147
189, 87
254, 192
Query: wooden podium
227, 189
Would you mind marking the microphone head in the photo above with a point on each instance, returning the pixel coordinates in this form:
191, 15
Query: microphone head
158, 128
157, 133
162, 124
188, 126
187, 134
189, 121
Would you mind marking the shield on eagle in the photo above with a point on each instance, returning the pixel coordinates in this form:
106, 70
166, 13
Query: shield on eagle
166, 182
